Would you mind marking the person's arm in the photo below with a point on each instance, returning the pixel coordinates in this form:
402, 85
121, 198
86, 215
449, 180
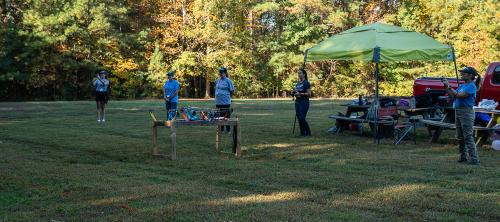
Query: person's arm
461, 95
165, 94
453, 93
231, 87
94, 82
308, 92
175, 92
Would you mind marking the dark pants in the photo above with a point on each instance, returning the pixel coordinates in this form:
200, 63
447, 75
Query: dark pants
301, 108
224, 112
171, 109
101, 97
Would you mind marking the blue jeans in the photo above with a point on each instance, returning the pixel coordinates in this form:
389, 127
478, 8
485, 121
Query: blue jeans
171, 109
301, 108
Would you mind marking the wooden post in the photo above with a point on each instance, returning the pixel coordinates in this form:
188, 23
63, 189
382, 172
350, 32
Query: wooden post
173, 138
481, 139
235, 122
217, 137
439, 130
238, 138
155, 137
234, 135
436, 134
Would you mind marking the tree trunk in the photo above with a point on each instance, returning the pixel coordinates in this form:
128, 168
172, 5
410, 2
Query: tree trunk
207, 86
184, 12
207, 77
196, 87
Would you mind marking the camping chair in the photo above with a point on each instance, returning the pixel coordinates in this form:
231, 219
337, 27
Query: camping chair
404, 129
387, 114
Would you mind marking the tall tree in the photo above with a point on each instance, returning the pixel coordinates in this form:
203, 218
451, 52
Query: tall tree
51, 49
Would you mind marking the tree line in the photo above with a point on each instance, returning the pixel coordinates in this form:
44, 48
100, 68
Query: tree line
52, 49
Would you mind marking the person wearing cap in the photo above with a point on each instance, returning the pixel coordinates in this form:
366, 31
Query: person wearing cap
464, 98
302, 92
171, 94
224, 88
101, 85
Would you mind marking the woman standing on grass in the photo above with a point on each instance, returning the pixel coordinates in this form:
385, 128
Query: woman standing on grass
464, 98
302, 92
224, 88
101, 85
171, 94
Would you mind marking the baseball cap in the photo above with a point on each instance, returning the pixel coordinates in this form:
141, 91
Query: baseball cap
223, 70
171, 73
469, 70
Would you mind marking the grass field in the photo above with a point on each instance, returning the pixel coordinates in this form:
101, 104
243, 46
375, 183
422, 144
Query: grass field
58, 164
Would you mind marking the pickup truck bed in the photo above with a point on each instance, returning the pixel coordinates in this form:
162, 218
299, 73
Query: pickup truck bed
433, 87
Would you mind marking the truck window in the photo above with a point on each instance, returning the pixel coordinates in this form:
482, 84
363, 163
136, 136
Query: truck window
496, 76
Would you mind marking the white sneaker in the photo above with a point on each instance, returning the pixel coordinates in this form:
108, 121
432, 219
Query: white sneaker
103, 120
98, 120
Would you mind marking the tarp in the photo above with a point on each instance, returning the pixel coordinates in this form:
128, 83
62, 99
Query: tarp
395, 43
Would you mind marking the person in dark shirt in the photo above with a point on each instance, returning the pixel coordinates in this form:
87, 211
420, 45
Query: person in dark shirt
302, 92
101, 85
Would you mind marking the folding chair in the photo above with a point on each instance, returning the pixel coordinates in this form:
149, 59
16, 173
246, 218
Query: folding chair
404, 129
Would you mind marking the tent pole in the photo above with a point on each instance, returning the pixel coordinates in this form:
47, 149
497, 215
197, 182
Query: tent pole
455, 62
376, 58
376, 104
376, 81
305, 58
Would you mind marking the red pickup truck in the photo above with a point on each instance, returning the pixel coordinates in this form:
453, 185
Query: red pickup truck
429, 90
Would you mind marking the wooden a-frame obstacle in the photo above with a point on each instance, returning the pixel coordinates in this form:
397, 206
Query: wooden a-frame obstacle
174, 124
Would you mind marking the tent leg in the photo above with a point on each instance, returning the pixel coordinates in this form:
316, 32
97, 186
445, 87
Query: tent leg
455, 62
377, 139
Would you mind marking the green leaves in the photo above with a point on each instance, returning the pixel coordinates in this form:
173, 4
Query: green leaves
46, 44
157, 68
265, 7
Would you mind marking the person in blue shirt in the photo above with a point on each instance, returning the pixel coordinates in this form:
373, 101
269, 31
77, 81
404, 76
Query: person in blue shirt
101, 85
302, 92
464, 99
171, 95
224, 88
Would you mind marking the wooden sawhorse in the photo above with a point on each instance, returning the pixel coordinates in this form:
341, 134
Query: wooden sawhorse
174, 124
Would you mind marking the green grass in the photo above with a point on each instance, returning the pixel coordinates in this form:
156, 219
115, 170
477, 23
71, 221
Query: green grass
57, 163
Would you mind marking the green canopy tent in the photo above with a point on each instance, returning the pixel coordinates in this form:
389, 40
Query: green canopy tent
377, 43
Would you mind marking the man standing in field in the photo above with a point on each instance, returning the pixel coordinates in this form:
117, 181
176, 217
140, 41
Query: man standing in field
171, 95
